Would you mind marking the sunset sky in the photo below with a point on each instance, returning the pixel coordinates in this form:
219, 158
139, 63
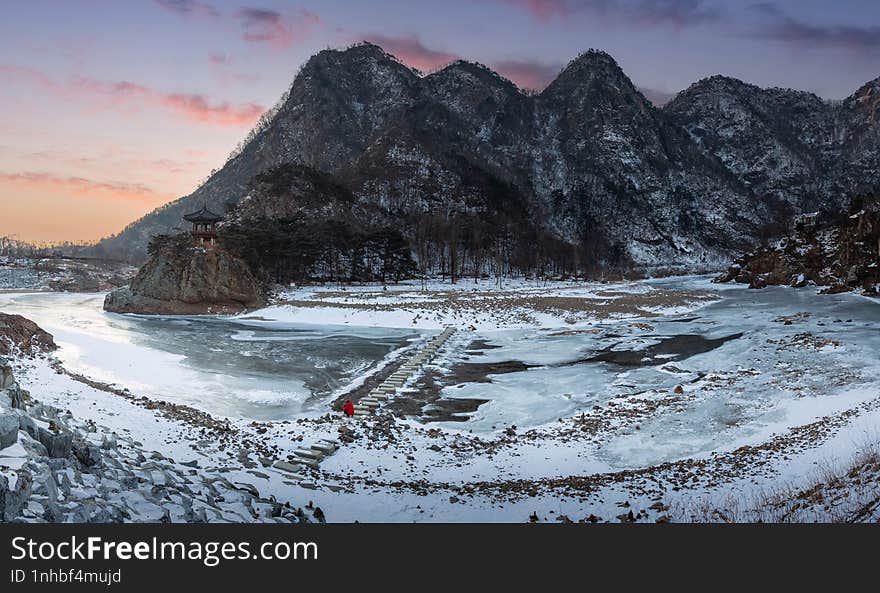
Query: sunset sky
109, 109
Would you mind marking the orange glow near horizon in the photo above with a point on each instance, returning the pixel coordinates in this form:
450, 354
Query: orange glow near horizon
33, 212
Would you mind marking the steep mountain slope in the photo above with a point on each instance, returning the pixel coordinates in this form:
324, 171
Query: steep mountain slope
589, 163
606, 156
791, 148
337, 102
859, 130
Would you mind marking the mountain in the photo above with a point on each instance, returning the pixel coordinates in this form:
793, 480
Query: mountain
789, 147
586, 174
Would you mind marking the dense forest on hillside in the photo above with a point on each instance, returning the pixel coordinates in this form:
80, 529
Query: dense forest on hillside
301, 225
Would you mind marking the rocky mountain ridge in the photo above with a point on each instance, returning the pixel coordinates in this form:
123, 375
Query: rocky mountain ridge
589, 162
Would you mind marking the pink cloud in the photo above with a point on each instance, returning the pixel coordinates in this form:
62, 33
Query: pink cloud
80, 186
543, 9
198, 108
645, 13
411, 51
195, 107
260, 25
124, 94
19, 74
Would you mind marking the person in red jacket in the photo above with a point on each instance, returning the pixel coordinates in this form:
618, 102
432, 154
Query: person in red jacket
348, 408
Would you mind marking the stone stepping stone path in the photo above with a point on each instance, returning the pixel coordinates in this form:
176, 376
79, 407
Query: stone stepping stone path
395, 382
312, 456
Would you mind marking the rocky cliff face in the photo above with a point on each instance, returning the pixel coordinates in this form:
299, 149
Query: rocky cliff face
183, 278
841, 252
590, 156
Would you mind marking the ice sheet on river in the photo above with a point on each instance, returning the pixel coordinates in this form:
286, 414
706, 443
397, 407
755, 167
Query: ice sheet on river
778, 356
220, 365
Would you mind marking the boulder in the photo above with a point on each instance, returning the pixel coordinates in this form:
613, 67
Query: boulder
182, 278
17, 396
8, 430
85, 452
58, 443
743, 277
731, 274
19, 333
6, 378
12, 501
759, 281
836, 288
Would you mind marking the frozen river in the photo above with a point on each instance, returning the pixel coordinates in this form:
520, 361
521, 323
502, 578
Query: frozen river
222, 366
748, 364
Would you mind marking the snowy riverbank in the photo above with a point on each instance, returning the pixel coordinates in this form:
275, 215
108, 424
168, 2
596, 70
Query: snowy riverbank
667, 415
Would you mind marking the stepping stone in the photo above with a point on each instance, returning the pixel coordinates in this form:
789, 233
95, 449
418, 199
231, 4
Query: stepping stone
313, 463
287, 466
324, 448
329, 441
308, 454
380, 397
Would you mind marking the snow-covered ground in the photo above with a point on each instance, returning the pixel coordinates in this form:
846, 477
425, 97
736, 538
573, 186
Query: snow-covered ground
664, 398
484, 305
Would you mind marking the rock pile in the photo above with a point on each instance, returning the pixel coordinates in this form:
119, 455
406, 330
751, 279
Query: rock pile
55, 468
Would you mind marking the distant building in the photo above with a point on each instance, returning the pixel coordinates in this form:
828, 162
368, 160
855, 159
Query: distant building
807, 222
204, 225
